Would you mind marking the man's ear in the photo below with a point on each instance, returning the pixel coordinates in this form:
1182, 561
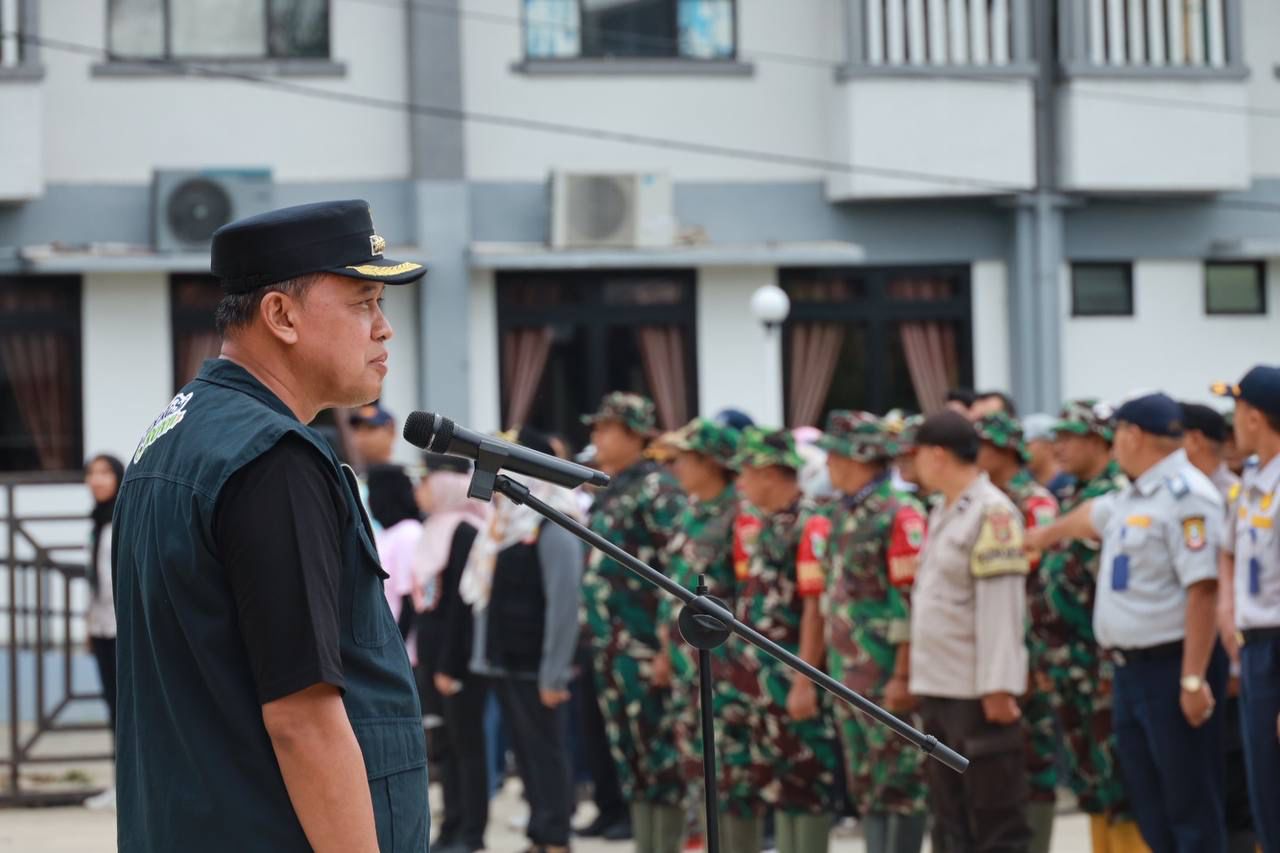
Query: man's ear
279, 313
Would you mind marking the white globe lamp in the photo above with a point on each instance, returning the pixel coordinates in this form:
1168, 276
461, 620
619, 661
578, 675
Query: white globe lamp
771, 305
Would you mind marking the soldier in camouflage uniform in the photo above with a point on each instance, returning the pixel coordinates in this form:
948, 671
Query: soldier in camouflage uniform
1003, 456
701, 547
1063, 647
637, 512
788, 757
877, 533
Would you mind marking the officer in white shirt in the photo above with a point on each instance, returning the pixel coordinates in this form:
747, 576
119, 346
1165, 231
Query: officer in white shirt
1156, 615
1253, 541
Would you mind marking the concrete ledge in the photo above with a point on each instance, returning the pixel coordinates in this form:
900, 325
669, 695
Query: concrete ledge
1000, 73
634, 67
193, 68
22, 73
539, 256
1155, 72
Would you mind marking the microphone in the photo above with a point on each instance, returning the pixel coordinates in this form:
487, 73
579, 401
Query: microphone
441, 435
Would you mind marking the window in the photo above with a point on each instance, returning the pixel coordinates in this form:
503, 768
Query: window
567, 339
218, 29
645, 29
1235, 288
40, 415
1101, 290
874, 339
192, 300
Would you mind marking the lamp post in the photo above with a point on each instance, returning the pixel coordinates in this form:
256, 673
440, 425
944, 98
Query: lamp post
771, 305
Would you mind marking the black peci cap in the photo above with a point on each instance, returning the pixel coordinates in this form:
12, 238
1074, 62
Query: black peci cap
329, 236
951, 431
1157, 414
1260, 388
1197, 417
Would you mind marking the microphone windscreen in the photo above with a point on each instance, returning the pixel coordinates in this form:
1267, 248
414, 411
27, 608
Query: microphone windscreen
419, 428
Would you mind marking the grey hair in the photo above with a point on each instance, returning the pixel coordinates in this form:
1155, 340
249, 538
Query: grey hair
236, 310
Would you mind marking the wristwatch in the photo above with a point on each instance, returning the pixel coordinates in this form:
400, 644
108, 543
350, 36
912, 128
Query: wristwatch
1192, 683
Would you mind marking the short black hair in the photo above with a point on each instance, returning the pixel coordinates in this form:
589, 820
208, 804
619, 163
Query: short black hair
952, 432
1206, 420
237, 310
391, 498
963, 396
1006, 402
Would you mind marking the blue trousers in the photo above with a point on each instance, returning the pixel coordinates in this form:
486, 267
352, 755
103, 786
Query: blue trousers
1174, 774
1259, 710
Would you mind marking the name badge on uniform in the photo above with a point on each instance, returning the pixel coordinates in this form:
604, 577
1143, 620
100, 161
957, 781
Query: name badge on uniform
1120, 573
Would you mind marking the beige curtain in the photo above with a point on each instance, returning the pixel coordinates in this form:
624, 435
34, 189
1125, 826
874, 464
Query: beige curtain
38, 364
929, 345
662, 351
524, 359
815, 351
194, 349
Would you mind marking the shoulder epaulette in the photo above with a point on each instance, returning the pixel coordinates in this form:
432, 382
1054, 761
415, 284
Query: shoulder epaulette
1177, 485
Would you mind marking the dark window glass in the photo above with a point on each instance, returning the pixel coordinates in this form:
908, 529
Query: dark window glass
218, 29
572, 29
192, 301
1235, 288
1101, 290
40, 415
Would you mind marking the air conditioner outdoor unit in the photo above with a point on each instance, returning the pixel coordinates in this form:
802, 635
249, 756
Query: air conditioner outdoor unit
611, 210
187, 206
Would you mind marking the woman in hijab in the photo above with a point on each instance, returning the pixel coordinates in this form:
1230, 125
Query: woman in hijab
444, 649
522, 582
102, 475
393, 505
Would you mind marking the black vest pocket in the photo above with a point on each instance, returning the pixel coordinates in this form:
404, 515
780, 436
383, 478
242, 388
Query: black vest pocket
371, 622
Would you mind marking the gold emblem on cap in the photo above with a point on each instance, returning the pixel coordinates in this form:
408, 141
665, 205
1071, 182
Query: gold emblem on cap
385, 272
377, 245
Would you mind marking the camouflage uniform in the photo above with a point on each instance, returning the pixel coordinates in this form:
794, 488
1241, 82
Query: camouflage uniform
702, 546
637, 512
770, 759
1063, 644
1039, 508
876, 538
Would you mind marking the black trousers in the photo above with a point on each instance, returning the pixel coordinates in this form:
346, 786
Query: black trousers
104, 651
985, 810
595, 742
540, 743
463, 769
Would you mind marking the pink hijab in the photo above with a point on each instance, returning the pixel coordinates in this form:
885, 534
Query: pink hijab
450, 507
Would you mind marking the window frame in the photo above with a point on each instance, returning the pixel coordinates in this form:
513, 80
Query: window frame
675, 57
1077, 311
1260, 266
167, 57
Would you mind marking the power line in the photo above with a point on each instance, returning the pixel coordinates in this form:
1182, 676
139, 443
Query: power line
599, 134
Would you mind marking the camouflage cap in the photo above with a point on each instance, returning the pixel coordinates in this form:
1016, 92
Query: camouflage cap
1087, 417
633, 411
901, 433
1001, 430
857, 435
762, 447
705, 436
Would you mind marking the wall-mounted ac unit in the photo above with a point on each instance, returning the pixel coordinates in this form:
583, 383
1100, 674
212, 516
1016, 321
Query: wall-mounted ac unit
611, 210
187, 206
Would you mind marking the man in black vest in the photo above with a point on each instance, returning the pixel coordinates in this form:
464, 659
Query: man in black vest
265, 699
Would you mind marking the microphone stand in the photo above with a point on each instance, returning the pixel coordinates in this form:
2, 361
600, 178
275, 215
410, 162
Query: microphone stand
705, 623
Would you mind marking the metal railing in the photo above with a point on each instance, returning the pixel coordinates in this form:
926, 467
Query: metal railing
938, 36
1152, 37
42, 577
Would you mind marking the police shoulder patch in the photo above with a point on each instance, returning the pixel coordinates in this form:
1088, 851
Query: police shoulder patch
1193, 533
998, 549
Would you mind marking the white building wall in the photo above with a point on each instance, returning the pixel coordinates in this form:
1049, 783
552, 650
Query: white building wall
1170, 344
739, 363
126, 358
400, 388
989, 297
780, 108
484, 376
1262, 55
117, 129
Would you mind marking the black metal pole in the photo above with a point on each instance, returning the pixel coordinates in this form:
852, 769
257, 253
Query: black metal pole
709, 607
706, 710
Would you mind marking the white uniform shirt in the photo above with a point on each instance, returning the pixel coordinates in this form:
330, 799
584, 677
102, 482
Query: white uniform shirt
968, 607
1256, 546
1159, 536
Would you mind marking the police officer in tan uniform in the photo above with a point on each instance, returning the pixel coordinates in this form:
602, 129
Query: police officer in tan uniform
968, 648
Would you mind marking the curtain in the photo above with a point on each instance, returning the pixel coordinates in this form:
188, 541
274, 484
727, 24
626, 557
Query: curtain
193, 349
38, 363
815, 351
662, 350
929, 345
524, 359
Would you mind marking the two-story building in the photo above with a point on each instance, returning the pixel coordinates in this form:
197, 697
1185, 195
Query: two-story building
1063, 198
